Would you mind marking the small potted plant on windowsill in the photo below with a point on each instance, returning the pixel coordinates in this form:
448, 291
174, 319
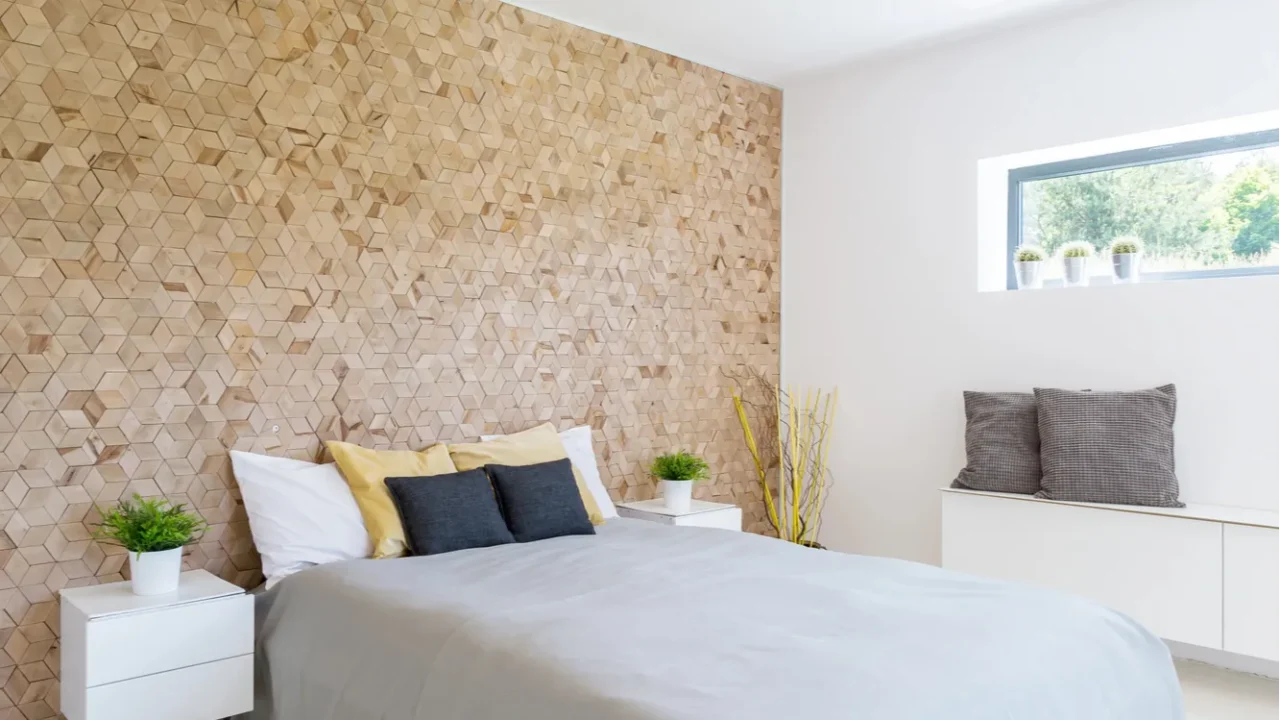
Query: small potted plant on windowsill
678, 471
1126, 251
1027, 262
154, 532
1075, 263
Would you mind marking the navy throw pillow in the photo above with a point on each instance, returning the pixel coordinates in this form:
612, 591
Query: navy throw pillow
443, 513
541, 501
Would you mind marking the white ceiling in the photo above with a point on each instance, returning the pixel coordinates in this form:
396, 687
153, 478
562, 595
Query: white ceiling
772, 40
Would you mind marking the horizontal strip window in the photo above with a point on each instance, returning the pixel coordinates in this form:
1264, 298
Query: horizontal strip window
1204, 208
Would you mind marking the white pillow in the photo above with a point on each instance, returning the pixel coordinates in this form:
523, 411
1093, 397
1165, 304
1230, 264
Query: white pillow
300, 514
577, 444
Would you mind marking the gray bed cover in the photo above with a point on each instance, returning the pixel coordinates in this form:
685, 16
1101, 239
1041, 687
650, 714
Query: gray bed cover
649, 622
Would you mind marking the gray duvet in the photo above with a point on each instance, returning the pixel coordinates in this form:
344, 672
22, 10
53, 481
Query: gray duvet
649, 622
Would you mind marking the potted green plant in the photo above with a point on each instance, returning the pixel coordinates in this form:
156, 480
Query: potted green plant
1126, 250
154, 531
678, 472
1027, 262
1075, 263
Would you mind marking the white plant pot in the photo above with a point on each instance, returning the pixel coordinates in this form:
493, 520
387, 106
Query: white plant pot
1028, 274
1075, 271
1125, 267
155, 573
677, 495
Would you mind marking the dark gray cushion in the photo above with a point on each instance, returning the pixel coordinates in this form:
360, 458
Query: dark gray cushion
443, 513
1001, 442
1108, 447
541, 501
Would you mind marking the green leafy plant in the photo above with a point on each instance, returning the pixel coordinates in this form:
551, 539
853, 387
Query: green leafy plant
1077, 249
679, 466
1029, 253
148, 525
1126, 245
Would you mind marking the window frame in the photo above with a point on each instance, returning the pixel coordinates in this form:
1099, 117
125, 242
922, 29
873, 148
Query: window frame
1134, 158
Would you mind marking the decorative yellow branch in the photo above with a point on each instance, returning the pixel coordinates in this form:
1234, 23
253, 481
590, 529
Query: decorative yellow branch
820, 470
794, 530
769, 506
782, 493
799, 451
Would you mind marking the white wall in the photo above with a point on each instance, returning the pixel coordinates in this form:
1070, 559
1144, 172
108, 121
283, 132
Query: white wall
880, 256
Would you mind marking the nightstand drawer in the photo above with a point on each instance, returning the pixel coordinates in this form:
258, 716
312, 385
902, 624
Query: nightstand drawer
121, 647
217, 689
700, 514
647, 517
730, 519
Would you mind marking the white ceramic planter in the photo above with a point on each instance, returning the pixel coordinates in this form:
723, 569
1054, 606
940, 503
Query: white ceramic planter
1125, 267
677, 494
155, 573
1075, 271
1028, 274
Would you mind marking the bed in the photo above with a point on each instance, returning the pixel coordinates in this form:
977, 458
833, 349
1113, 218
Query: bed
650, 622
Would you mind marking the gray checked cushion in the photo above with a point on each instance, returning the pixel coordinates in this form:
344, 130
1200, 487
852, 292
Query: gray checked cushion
1001, 443
1108, 447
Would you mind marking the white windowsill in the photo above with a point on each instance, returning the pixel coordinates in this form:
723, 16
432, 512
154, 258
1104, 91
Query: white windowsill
1151, 278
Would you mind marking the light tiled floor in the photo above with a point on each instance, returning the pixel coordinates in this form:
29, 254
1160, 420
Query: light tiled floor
1215, 694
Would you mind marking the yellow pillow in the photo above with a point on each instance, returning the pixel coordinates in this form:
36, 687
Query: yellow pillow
535, 445
366, 472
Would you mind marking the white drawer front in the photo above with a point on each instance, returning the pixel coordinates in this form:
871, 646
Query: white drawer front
1164, 572
129, 646
1251, 596
651, 517
203, 692
728, 519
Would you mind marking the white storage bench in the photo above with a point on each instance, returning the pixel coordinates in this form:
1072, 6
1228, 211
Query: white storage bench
1202, 575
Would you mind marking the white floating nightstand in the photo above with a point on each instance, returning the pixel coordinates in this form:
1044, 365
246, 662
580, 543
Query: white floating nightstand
184, 655
701, 514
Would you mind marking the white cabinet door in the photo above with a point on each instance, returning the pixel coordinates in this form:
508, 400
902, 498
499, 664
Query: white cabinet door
1164, 572
1251, 578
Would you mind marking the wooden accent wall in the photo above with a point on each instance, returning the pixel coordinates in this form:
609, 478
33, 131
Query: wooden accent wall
257, 225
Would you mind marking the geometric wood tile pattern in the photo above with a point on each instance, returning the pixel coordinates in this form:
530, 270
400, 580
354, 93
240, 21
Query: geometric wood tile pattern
260, 225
